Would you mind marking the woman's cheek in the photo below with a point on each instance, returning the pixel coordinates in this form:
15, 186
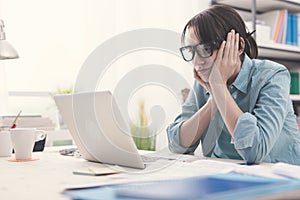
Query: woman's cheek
203, 73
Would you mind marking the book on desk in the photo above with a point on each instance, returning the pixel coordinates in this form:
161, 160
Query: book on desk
28, 121
222, 186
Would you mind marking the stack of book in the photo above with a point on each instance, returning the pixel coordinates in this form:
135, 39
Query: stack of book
28, 121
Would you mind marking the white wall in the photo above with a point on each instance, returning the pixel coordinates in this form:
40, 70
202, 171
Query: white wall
54, 37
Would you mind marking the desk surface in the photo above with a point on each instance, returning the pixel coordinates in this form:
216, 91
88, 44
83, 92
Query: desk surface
41, 179
48, 176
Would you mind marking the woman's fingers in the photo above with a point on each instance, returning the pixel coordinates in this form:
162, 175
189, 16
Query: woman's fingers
227, 58
229, 53
220, 51
196, 76
234, 46
237, 46
231, 34
235, 51
229, 45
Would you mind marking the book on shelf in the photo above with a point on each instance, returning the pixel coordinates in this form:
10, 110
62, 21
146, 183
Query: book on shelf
294, 85
28, 121
280, 27
298, 26
273, 19
284, 26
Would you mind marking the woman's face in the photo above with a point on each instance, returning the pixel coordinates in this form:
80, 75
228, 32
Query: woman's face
203, 66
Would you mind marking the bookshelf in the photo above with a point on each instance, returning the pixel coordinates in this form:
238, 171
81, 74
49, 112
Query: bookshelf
270, 50
279, 51
262, 5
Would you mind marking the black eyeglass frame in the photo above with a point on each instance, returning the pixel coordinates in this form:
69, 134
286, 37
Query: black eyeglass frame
194, 49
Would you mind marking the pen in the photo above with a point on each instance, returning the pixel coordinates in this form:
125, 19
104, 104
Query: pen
14, 122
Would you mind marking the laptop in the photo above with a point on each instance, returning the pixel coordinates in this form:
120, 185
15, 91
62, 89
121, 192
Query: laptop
98, 129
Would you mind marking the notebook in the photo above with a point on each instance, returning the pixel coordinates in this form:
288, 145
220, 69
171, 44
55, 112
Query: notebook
98, 129
221, 186
227, 186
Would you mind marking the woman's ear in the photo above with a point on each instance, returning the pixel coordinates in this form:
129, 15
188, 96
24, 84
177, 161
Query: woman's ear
242, 45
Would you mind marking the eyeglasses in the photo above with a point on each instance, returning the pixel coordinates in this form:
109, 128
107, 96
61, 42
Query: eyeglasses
204, 50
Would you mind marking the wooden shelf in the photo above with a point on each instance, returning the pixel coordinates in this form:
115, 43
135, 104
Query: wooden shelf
263, 5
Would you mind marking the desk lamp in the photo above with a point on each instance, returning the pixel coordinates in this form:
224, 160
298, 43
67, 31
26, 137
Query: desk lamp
7, 51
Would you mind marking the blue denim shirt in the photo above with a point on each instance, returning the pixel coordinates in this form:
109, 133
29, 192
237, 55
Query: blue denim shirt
266, 131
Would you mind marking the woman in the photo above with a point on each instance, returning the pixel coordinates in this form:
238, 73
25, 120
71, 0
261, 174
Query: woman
239, 107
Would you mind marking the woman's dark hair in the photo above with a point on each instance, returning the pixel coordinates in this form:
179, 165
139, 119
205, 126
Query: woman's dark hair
214, 23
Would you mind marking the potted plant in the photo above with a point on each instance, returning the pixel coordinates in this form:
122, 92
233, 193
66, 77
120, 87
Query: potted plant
142, 135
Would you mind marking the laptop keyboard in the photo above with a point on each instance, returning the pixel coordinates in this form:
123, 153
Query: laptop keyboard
148, 159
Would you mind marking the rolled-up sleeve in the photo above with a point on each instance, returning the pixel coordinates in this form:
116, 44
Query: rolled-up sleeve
244, 137
256, 132
174, 140
189, 108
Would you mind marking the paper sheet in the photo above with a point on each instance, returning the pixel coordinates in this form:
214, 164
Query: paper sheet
286, 170
96, 171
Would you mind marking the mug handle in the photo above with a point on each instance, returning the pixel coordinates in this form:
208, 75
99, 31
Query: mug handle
41, 135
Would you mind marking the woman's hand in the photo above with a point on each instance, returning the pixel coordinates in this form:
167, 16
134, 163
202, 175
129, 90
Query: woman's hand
224, 71
202, 83
227, 63
207, 87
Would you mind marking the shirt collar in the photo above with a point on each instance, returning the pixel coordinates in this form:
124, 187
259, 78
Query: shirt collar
242, 80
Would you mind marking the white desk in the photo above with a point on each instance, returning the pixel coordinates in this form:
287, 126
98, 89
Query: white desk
47, 177
41, 179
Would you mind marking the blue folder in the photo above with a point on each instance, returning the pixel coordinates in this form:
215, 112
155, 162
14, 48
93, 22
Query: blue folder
224, 186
